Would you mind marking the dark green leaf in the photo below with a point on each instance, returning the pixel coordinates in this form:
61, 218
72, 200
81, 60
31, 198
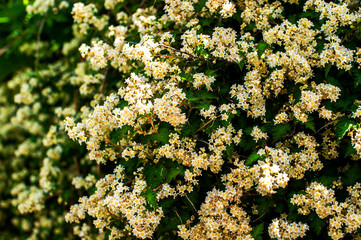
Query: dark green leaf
261, 48
241, 64
204, 105
352, 175
316, 223
252, 158
117, 134
229, 151
326, 180
196, 96
349, 149
173, 173
342, 127
310, 125
327, 69
257, 231
346, 100
151, 197
333, 81
280, 130
163, 133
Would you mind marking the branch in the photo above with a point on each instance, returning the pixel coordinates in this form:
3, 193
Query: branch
207, 123
151, 122
180, 51
113, 144
178, 216
259, 217
326, 125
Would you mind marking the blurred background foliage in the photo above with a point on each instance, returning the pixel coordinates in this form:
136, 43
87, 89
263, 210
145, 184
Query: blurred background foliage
31, 61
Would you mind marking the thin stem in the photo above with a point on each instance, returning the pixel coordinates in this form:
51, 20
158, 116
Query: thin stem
99, 171
326, 125
169, 56
127, 10
180, 51
259, 217
207, 123
178, 216
142, 3
38, 41
155, 189
113, 144
139, 130
77, 167
151, 122
191, 203
104, 79
76, 99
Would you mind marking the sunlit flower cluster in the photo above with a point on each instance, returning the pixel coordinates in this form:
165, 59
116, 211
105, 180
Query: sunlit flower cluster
344, 217
122, 202
283, 229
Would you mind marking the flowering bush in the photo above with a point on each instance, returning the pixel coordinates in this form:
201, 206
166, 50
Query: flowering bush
205, 119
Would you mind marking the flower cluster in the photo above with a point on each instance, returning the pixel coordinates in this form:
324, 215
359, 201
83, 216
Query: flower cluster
85, 15
122, 202
219, 219
344, 217
283, 229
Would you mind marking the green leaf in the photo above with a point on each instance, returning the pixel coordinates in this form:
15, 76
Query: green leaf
326, 180
261, 48
241, 64
168, 224
357, 77
345, 100
316, 223
352, 175
342, 127
310, 125
163, 133
117, 134
151, 197
333, 81
248, 130
279, 208
264, 205
4, 19
197, 95
204, 105
66, 195
199, 49
327, 69
229, 151
252, 158
166, 203
257, 231
173, 173
280, 130
349, 149
292, 19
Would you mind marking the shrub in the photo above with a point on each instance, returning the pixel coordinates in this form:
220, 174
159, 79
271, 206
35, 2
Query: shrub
180, 119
